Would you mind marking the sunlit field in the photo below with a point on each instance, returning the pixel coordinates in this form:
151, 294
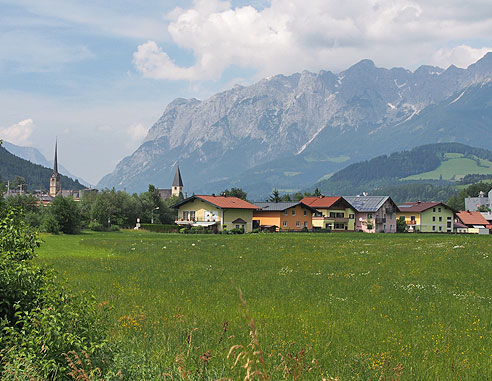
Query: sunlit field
346, 306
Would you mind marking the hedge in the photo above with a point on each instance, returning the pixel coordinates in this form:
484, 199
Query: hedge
160, 228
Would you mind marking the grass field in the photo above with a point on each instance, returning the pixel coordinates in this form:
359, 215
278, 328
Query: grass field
347, 306
455, 168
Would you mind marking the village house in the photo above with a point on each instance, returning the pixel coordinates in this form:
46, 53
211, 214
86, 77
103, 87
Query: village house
374, 214
474, 222
275, 216
216, 212
429, 217
332, 213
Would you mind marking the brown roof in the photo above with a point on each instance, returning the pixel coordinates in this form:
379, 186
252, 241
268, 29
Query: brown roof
222, 202
472, 218
320, 202
418, 206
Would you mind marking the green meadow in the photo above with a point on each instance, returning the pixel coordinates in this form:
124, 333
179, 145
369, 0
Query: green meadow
455, 168
313, 306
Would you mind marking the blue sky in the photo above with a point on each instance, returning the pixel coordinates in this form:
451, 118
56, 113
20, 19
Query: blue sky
98, 74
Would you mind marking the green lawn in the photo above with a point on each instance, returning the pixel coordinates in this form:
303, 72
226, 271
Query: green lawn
352, 306
455, 168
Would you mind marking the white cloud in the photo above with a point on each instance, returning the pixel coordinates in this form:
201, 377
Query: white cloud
18, 133
290, 35
461, 56
137, 133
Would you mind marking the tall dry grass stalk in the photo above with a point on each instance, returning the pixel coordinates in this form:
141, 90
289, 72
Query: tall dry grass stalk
250, 357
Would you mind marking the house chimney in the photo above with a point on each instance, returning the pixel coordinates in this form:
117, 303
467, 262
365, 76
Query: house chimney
213, 194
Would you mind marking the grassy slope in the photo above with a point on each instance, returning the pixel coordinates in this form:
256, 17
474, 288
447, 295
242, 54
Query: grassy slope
364, 303
455, 168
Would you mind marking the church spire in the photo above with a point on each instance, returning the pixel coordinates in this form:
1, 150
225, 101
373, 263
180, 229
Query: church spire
177, 188
55, 183
55, 164
178, 182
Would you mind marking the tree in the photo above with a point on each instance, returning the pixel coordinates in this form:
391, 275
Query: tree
275, 196
483, 208
18, 182
66, 213
401, 225
235, 192
317, 192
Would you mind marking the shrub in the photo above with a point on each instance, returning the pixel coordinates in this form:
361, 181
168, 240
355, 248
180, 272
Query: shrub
160, 228
50, 224
40, 319
96, 226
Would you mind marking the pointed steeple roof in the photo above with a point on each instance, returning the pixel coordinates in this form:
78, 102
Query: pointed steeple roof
55, 164
178, 182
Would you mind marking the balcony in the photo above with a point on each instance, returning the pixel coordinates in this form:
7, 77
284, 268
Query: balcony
380, 220
411, 222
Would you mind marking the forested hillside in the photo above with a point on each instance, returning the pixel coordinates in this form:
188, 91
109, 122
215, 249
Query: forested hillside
36, 176
430, 171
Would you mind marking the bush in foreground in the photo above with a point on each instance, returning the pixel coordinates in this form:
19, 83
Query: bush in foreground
40, 319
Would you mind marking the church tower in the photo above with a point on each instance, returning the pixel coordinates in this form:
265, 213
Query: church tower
177, 188
55, 184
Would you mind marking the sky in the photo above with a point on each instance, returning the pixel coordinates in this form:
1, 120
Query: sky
96, 74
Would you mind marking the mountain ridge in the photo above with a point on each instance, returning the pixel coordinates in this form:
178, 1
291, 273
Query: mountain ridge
298, 119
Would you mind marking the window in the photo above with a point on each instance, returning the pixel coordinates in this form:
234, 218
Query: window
298, 224
332, 214
192, 215
440, 228
284, 224
433, 228
440, 219
433, 218
340, 215
305, 213
369, 215
351, 216
339, 226
384, 227
412, 218
434, 210
293, 212
286, 212
439, 210
186, 215
391, 228
305, 224
449, 218
238, 226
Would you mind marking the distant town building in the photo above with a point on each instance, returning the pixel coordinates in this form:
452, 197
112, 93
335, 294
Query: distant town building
176, 189
474, 203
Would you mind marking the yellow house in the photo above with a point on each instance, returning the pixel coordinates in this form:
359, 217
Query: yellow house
216, 212
427, 217
333, 213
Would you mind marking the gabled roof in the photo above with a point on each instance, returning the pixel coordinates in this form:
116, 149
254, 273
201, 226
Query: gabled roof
281, 206
472, 218
222, 202
324, 202
419, 206
178, 182
239, 221
320, 202
368, 203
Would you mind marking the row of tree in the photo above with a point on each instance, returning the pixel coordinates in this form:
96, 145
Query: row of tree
105, 210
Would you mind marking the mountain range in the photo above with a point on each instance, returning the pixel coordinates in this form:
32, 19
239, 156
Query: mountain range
288, 132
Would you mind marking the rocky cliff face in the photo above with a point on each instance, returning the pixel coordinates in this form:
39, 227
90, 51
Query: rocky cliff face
289, 131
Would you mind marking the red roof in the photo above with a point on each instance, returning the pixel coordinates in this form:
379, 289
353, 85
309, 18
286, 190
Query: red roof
320, 202
472, 218
418, 206
227, 202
